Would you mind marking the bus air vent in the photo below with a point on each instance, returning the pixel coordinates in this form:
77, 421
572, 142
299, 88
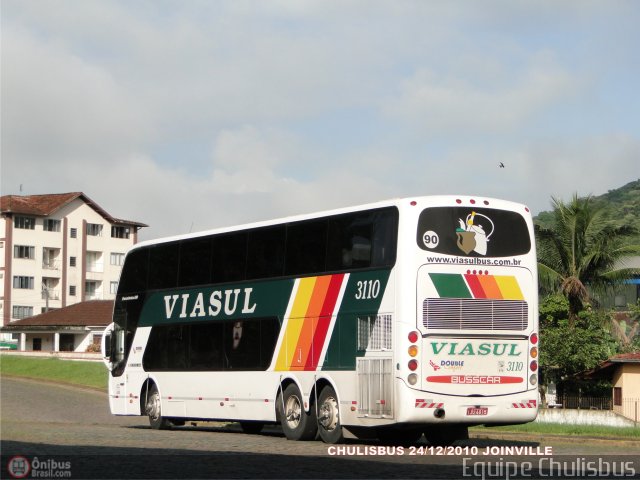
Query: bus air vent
474, 314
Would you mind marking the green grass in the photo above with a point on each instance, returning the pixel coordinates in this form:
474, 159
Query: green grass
88, 374
562, 429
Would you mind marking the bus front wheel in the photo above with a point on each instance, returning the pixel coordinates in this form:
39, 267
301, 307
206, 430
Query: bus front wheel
296, 423
329, 425
153, 410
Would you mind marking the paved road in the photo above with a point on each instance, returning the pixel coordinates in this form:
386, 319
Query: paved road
53, 423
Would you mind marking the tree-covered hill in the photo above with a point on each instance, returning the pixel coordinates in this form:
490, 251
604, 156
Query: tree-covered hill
621, 206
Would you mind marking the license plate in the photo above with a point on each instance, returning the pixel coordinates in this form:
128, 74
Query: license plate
477, 411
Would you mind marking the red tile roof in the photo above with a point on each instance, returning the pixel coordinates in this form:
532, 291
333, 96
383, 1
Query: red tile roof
44, 205
626, 358
84, 314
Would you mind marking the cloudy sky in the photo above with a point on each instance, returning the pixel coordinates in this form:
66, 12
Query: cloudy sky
194, 114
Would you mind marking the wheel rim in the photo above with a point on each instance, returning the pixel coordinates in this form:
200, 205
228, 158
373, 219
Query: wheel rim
328, 414
153, 406
293, 412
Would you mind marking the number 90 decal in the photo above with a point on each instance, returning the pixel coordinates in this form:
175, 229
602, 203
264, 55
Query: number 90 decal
367, 289
430, 239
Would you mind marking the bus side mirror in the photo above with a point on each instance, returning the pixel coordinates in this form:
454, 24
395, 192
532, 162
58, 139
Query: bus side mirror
106, 346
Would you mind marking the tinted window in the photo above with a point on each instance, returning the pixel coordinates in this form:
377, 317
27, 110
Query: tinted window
363, 239
163, 266
306, 247
195, 262
265, 256
213, 346
134, 272
229, 258
474, 232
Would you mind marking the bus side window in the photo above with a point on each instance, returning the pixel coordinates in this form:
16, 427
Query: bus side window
229, 260
306, 247
265, 253
163, 266
385, 234
206, 349
349, 244
195, 262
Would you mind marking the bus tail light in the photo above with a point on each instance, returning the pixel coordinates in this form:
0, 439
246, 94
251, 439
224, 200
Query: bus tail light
412, 379
533, 379
413, 365
413, 351
413, 337
533, 365
534, 338
533, 352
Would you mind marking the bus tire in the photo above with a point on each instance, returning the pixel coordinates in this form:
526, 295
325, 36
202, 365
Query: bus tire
329, 426
252, 428
153, 410
446, 435
296, 423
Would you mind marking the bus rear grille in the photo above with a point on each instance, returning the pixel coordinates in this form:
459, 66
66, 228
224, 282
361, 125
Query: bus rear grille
474, 314
375, 387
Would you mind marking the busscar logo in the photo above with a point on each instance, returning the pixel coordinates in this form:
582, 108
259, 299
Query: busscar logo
18, 466
471, 234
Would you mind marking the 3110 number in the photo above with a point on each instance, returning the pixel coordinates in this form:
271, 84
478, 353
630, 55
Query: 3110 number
367, 289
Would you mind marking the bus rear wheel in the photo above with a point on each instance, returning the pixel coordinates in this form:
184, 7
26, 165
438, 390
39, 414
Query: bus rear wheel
296, 423
153, 410
329, 425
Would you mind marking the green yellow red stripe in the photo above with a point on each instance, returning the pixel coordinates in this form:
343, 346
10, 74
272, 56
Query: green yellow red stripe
307, 325
472, 285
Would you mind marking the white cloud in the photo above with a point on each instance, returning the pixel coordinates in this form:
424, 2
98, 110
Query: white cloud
217, 113
494, 100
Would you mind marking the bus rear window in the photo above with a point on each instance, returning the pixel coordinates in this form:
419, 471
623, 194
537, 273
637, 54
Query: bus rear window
473, 232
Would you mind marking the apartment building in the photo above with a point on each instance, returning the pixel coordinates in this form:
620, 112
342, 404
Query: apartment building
57, 250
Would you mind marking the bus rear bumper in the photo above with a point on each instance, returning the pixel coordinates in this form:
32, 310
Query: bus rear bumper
425, 407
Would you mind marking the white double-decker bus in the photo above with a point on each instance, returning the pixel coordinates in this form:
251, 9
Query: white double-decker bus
395, 319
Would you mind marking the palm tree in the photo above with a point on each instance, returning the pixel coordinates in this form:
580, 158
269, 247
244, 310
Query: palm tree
582, 249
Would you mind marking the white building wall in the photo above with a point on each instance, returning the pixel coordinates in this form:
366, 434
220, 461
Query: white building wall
75, 215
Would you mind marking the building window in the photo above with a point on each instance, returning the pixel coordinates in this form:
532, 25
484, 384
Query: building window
45, 309
20, 311
617, 396
51, 225
94, 262
23, 282
72, 261
28, 223
50, 258
72, 290
92, 291
113, 288
120, 232
117, 259
24, 251
73, 232
94, 229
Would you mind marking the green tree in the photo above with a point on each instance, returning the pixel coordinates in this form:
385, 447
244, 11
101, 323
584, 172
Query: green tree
565, 349
581, 249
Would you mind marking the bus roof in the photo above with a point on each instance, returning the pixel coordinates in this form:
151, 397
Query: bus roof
420, 201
